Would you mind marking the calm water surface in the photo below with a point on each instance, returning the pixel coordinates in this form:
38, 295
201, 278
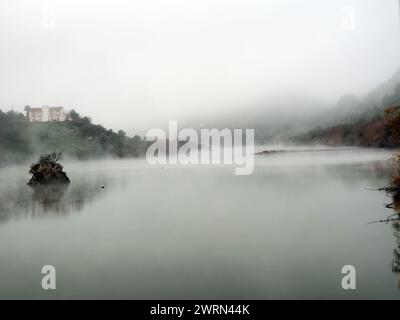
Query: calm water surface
202, 232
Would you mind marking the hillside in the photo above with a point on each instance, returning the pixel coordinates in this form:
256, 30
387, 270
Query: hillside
367, 129
21, 140
279, 118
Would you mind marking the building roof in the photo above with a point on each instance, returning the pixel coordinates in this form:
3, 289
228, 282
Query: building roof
50, 108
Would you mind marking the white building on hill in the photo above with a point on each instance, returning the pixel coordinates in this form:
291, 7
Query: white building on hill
45, 114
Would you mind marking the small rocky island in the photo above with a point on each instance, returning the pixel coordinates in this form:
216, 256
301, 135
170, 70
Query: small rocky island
48, 170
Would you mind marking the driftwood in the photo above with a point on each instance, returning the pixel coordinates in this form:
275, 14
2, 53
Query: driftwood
48, 171
387, 189
391, 218
394, 191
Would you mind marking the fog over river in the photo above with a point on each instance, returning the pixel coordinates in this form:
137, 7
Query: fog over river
201, 232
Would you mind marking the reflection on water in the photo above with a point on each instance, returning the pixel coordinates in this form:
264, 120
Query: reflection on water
201, 232
393, 190
396, 253
22, 201
49, 198
395, 205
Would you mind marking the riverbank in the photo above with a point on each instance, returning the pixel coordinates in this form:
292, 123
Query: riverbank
78, 138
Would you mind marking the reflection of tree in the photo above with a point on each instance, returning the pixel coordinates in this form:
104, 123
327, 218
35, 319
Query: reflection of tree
20, 200
396, 251
395, 205
49, 199
392, 126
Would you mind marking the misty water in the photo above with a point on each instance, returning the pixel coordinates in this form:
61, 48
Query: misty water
200, 231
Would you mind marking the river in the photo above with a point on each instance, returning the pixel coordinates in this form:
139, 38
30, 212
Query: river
201, 232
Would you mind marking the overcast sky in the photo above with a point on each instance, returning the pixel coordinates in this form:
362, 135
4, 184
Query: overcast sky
131, 64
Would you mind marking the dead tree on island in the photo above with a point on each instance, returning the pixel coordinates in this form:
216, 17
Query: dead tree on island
48, 170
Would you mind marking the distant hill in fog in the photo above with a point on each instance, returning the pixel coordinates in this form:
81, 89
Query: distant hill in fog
350, 108
286, 116
275, 120
358, 122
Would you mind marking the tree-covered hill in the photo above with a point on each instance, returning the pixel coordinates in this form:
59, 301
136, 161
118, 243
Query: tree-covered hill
363, 124
368, 130
21, 140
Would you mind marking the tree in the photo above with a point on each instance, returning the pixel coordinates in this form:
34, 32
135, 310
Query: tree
392, 123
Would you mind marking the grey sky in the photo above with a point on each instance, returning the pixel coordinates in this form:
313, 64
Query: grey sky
133, 64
